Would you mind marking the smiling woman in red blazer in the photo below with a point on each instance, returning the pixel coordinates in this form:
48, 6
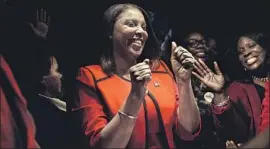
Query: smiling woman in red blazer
238, 108
131, 99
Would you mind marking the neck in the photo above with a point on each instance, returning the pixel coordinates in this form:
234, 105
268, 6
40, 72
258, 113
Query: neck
122, 64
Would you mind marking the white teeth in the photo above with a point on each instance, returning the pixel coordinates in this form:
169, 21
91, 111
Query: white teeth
251, 60
138, 41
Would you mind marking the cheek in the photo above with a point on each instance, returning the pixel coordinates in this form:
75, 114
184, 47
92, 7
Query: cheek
192, 50
127, 33
241, 59
262, 56
124, 36
145, 36
118, 40
116, 36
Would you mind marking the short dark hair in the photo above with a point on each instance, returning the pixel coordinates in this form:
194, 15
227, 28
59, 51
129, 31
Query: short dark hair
152, 46
212, 50
259, 37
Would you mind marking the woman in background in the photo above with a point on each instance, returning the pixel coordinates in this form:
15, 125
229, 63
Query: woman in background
262, 139
237, 109
204, 48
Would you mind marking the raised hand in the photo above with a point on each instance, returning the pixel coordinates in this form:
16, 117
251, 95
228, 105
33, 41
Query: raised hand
42, 24
182, 62
53, 80
231, 144
140, 76
214, 81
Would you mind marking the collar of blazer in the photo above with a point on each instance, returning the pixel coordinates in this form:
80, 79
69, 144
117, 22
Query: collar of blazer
61, 105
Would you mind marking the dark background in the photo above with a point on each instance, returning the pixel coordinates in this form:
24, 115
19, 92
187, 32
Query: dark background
74, 30
75, 25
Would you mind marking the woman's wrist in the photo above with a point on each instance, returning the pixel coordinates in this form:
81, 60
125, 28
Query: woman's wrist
220, 91
132, 105
179, 80
127, 115
220, 98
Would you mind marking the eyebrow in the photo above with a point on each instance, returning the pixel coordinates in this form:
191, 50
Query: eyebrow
251, 42
133, 19
143, 23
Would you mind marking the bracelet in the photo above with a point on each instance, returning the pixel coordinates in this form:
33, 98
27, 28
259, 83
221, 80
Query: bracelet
129, 116
223, 103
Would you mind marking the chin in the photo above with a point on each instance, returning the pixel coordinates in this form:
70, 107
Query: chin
135, 53
252, 67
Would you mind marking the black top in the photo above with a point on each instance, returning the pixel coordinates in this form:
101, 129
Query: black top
260, 91
51, 124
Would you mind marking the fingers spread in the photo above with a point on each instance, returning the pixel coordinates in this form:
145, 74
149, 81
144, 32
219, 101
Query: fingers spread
218, 71
205, 67
200, 68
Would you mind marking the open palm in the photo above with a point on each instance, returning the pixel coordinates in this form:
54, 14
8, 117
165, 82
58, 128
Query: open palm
212, 80
41, 27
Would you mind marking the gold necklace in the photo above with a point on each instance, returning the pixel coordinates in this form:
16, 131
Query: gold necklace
260, 79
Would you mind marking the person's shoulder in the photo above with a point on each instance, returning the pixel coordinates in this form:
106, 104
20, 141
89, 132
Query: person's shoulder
89, 70
90, 74
94, 70
92, 67
239, 88
240, 84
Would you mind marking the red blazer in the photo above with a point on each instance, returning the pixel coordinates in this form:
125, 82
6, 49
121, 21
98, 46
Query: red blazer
241, 118
17, 126
265, 108
100, 96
